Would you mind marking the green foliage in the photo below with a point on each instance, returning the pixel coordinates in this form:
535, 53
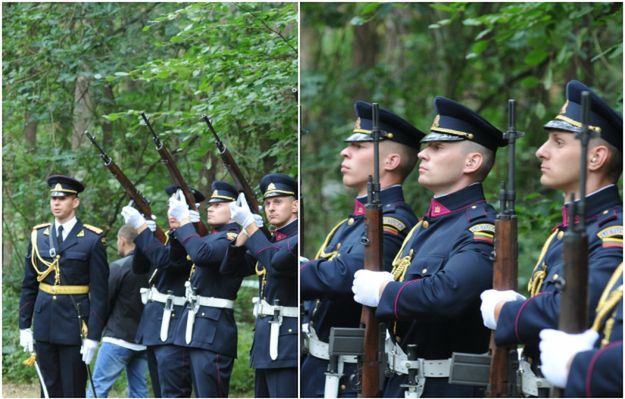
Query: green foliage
403, 54
236, 63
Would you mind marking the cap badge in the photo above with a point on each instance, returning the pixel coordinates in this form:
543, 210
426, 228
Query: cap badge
271, 186
436, 122
215, 193
563, 109
357, 124
58, 187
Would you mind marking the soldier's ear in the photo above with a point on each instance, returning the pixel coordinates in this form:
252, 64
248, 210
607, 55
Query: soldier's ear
473, 162
75, 202
391, 161
597, 157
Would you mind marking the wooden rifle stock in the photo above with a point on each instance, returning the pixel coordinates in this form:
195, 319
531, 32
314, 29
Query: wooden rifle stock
175, 174
374, 260
235, 172
505, 267
139, 201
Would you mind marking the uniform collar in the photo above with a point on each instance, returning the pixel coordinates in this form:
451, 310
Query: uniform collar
596, 202
285, 231
225, 227
67, 226
387, 195
460, 199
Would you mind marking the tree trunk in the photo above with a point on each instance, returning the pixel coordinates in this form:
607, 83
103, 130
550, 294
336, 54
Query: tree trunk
83, 111
30, 132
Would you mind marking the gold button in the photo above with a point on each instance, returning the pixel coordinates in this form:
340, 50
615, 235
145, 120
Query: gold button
290, 330
202, 313
560, 235
605, 212
424, 271
390, 135
473, 207
54, 297
188, 257
343, 386
338, 246
350, 221
398, 339
555, 277
425, 224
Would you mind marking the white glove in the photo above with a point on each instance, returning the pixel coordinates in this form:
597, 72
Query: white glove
88, 349
490, 299
132, 217
178, 209
258, 220
151, 225
194, 216
366, 287
240, 212
557, 350
26, 339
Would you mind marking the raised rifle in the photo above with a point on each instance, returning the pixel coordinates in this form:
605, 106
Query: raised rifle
502, 372
573, 284
373, 260
235, 172
139, 200
175, 174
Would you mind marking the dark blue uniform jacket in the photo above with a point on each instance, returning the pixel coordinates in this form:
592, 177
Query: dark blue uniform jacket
522, 321
214, 328
168, 270
277, 256
83, 262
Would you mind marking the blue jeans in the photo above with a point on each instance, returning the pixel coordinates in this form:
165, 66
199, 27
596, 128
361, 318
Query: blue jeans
112, 359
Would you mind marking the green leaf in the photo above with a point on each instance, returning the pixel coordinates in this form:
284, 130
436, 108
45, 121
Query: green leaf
535, 57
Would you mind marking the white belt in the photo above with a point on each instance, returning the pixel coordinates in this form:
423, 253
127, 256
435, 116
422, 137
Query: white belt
214, 302
155, 296
398, 362
529, 381
263, 308
321, 350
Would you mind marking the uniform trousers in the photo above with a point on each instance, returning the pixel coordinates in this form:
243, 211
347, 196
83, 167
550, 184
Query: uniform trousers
174, 371
210, 373
64, 372
276, 383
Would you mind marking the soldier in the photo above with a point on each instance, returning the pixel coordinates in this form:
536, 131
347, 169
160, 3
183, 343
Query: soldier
207, 329
165, 299
274, 260
431, 298
519, 321
589, 364
65, 284
328, 278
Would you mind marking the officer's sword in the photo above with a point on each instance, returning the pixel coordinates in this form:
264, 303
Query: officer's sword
41, 380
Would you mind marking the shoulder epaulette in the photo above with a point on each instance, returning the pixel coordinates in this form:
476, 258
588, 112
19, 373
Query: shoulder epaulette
40, 226
93, 228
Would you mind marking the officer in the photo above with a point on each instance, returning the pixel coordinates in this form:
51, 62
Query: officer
589, 364
207, 329
519, 321
165, 299
431, 298
328, 278
274, 260
66, 285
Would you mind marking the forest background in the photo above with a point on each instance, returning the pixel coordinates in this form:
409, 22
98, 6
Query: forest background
69, 67
402, 55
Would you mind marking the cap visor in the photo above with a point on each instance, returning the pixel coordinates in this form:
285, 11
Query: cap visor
561, 125
358, 137
435, 136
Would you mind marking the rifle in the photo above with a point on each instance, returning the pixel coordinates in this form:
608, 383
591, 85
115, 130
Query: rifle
139, 200
374, 259
235, 172
573, 284
502, 374
175, 174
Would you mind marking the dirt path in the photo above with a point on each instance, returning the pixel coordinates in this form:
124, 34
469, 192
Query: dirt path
20, 390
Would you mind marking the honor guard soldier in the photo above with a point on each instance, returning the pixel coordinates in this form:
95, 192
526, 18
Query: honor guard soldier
589, 364
431, 299
519, 321
207, 329
328, 278
66, 286
275, 261
164, 301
